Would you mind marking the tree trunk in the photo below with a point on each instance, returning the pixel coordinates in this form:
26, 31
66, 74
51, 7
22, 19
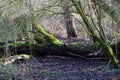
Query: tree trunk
70, 50
69, 20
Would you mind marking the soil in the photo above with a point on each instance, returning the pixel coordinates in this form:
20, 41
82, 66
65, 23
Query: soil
61, 68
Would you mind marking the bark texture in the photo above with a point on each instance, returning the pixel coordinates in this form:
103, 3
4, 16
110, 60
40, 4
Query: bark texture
69, 20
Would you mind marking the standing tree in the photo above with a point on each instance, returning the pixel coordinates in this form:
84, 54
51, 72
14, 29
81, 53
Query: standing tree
69, 20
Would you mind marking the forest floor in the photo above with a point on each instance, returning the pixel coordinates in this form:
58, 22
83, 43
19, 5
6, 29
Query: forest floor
59, 68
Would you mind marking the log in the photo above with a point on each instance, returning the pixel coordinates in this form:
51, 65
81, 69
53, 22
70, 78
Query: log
81, 50
69, 50
46, 44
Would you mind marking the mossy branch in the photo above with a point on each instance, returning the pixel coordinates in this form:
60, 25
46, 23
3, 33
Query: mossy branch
47, 37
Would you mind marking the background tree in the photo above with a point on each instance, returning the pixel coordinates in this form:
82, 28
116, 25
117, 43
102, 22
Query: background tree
69, 19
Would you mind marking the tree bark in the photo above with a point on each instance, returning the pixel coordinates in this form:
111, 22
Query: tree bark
69, 20
70, 50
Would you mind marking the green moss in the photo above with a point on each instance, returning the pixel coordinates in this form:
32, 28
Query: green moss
84, 47
14, 45
48, 37
94, 46
26, 56
51, 39
39, 39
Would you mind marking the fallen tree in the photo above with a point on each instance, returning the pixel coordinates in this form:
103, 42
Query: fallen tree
46, 44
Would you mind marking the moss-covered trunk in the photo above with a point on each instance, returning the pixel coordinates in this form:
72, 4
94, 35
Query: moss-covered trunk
43, 36
111, 54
